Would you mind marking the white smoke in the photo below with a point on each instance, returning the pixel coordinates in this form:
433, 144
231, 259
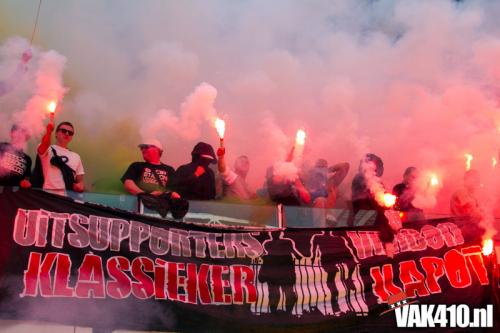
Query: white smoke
285, 172
373, 181
197, 110
427, 187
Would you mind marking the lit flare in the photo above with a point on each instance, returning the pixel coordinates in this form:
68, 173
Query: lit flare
388, 200
468, 160
300, 137
487, 247
434, 180
51, 107
220, 126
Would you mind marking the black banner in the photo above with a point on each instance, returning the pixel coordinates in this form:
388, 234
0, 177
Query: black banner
88, 265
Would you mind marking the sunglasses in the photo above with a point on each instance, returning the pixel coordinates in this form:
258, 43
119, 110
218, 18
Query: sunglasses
67, 132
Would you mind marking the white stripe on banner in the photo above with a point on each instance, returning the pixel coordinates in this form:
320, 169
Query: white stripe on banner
312, 290
360, 295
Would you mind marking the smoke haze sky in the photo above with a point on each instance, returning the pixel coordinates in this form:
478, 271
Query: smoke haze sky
415, 82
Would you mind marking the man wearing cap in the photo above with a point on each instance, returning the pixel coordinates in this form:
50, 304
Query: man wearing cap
151, 176
195, 180
15, 165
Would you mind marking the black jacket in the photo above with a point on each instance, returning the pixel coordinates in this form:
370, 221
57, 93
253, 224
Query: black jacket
185, 181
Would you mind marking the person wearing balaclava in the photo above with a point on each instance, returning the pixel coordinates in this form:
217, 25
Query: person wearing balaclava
195, 180
364, 200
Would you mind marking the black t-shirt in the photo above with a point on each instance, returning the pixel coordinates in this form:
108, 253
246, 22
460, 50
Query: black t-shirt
15, 165
143, 175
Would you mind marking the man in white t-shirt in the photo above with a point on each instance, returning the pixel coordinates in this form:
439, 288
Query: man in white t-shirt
53, 176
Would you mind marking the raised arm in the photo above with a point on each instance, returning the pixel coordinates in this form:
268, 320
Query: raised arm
45, 144
339, 171
221, 161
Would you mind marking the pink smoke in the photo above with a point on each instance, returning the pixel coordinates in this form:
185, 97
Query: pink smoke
48, 87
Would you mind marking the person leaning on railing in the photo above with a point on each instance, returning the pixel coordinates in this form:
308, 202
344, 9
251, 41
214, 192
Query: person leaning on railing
151, 181
151, 176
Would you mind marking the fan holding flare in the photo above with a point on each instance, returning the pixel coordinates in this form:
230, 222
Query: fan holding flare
369, 195
196, 180
57, 168
283, 183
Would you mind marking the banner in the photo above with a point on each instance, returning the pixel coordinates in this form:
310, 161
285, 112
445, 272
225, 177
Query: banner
84, 264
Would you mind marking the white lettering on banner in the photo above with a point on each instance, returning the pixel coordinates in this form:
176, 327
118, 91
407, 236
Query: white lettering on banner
33, 227
368, 243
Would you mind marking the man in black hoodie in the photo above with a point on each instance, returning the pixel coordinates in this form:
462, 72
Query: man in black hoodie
364, 199
195, 180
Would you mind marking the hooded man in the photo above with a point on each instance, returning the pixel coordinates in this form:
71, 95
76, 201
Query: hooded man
371, 169
362, 198
195, 180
